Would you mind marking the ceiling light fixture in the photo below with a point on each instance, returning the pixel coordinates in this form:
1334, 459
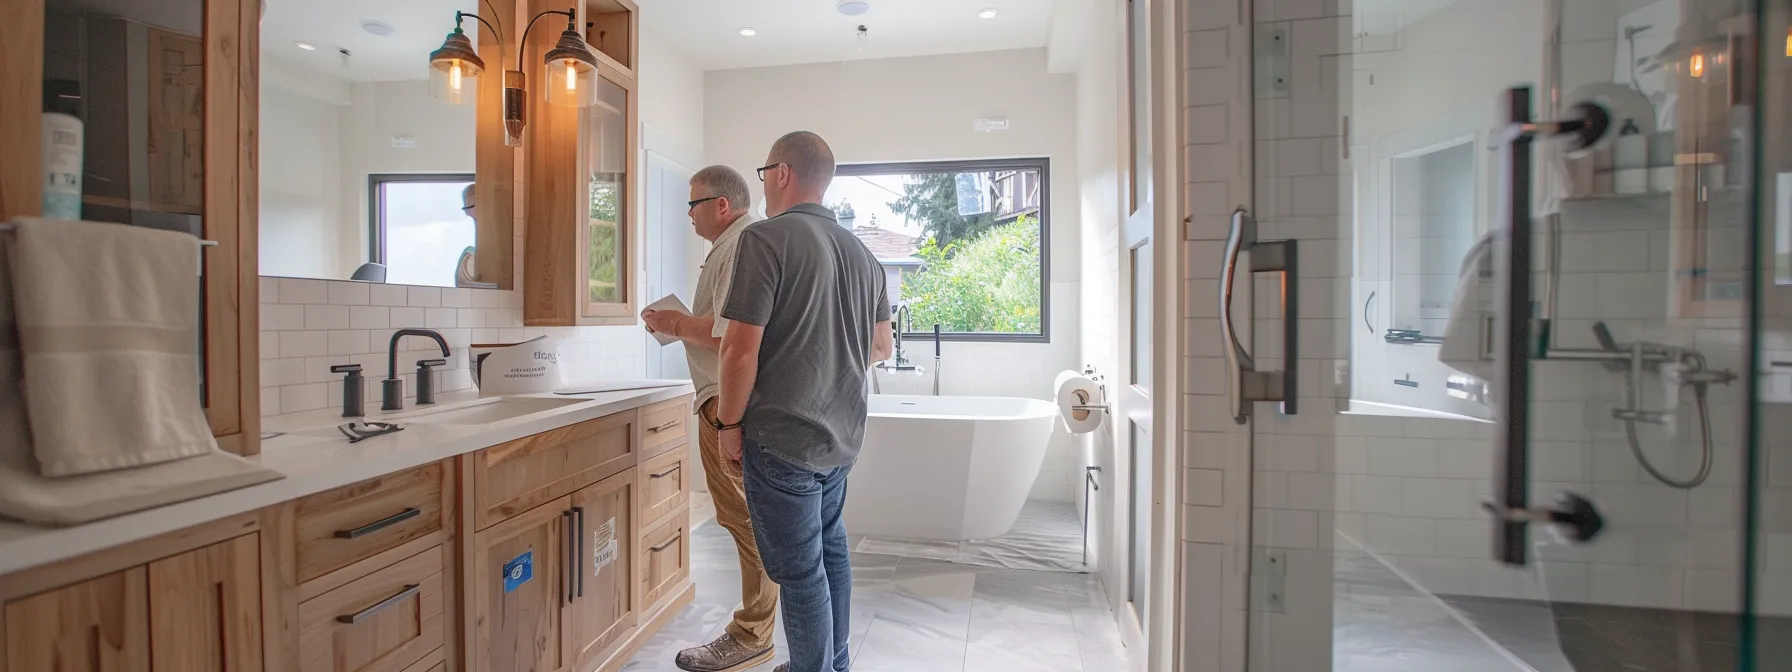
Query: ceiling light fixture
377, 28
748, 32
852, 7
304, 45
988, 13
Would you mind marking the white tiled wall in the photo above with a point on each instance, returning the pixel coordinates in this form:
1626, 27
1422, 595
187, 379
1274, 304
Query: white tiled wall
308, 326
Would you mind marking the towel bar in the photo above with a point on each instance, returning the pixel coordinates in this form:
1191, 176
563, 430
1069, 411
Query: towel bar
202, 243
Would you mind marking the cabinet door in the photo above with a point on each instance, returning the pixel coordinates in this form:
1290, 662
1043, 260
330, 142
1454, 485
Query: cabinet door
205, 609
602, 611
101, 625
386, 621
520, 591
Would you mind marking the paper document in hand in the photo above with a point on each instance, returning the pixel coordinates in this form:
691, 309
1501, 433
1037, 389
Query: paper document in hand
671, 302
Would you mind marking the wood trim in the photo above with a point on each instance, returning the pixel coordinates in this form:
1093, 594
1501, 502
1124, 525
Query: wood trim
494, 190
648, 627
454, 556
279, 588
247, 305
552, 277
21, 107
466, 620
52, 576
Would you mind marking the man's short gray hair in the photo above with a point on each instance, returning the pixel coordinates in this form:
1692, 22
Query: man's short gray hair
725, 182
808, 156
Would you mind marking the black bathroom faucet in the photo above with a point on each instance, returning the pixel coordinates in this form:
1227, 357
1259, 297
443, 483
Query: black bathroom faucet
392, 389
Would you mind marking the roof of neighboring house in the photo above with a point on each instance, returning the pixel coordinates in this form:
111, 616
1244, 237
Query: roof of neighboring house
887, 245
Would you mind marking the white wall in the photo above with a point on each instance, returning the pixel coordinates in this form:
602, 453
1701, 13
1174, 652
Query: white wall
917, 109
380, 111
300, 185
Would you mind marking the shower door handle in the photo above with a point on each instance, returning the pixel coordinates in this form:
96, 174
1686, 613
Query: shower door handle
1248, 385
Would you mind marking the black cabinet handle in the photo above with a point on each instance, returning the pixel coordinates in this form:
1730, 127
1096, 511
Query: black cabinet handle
380, 524
664, 427
578, 533
664, 546
667, 472
364, 614
567, 554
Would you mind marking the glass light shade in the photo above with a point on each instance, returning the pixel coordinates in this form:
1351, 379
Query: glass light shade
454, 71
571, 79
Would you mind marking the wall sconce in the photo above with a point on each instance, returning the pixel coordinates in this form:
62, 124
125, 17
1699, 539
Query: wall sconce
571, 72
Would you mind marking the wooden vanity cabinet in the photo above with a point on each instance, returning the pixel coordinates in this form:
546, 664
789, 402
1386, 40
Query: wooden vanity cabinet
197, 611
517, 596
192, 167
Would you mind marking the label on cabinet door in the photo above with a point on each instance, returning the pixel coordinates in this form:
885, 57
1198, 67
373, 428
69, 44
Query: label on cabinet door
603, 556
518, 572
604, 534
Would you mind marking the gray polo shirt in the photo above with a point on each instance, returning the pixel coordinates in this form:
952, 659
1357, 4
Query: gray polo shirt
818, 292
712, 292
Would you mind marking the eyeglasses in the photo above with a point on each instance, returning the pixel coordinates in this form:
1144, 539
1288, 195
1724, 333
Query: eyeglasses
465, 208
762, 170
693, 204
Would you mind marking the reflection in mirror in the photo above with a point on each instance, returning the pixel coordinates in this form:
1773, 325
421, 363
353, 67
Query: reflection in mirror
364, 175
1434, 227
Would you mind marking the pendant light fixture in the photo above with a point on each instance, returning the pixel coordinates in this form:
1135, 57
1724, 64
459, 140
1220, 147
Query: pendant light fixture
570, 78
455, 68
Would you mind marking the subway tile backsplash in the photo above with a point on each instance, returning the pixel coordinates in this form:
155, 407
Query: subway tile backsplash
308, 326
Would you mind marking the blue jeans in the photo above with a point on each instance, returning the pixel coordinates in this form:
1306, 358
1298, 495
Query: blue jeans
802, 541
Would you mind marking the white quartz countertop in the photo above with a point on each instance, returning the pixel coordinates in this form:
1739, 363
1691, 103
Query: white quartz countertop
314, 458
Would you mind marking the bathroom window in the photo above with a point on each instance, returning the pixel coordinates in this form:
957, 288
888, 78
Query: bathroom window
964, 244
418, 226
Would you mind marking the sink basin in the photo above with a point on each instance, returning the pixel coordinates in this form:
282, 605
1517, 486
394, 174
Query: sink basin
480, 412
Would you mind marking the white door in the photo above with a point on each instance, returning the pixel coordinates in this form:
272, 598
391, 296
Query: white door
1134, 415
670, 240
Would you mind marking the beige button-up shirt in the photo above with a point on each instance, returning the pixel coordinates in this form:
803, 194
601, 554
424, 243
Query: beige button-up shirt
712, 294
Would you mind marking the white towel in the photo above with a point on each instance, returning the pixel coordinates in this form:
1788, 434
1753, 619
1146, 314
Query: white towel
1468, 337
107, 318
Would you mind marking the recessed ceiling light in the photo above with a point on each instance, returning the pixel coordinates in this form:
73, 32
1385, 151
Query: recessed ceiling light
377, 28
304, 45
989, 13
853, 7
748, 32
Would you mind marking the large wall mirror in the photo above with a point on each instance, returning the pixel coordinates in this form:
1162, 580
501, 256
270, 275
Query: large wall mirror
364, 175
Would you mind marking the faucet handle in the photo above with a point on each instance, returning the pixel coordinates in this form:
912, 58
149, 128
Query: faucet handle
346, 368
425, 363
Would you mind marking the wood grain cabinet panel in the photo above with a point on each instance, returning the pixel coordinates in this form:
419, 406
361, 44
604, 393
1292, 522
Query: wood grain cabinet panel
520, 475
101, 625
664, 426
665, 483
602, 612
339, 527
205, 609
386, 621
517, 611
665, 560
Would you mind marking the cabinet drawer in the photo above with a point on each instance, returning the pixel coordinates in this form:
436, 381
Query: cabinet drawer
340, 527
511, 478
665, 484
665, 425
386, 621
665, 561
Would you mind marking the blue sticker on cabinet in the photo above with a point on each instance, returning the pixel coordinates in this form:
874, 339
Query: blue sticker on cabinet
518, 572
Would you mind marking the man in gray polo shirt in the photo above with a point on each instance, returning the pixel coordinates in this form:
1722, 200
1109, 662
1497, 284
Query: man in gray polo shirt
806, 316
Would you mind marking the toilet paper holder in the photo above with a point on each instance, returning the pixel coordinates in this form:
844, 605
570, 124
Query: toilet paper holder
1101, 388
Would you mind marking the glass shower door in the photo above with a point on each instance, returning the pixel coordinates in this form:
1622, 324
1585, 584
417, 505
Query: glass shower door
1528, 225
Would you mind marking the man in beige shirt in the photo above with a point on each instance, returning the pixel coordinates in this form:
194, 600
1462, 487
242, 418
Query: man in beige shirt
719, 203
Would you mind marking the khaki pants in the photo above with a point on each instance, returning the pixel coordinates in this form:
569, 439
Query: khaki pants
752, 624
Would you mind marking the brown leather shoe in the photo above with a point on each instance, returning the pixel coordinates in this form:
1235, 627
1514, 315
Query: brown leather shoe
782, 668
723, 655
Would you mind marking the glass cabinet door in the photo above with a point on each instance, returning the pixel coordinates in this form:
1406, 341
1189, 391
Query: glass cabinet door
604, 159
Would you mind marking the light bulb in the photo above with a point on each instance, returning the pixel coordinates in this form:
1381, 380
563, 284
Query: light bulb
454, 75
1789, 43
1696, 66
572, 77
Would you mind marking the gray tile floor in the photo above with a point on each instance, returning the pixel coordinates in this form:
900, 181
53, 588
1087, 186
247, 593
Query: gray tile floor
912, 615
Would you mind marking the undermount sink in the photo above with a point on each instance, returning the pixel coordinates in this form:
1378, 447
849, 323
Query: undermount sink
480, 412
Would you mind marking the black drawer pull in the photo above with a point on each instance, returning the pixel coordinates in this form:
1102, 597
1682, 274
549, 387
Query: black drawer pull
362, 615
668, 544
664, 427
381, 524
667, 472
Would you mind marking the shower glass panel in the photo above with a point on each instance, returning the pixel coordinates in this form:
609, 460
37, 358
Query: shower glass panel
1540, 340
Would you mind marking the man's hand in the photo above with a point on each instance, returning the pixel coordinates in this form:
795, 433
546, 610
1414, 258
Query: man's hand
663, 321
732, 439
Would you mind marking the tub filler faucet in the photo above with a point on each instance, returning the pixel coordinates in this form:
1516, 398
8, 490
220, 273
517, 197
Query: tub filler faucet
898, 362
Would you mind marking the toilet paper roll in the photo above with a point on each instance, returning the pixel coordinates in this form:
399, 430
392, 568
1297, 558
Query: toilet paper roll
1074, 390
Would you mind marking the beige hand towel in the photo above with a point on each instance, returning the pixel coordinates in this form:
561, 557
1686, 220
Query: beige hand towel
107, 318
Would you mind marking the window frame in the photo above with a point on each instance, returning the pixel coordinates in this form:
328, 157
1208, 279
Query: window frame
376, 201
1038, 163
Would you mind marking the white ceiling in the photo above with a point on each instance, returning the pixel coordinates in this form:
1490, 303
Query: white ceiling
419, 27
812, 31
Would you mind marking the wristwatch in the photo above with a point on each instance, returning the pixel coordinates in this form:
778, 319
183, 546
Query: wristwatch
723, 427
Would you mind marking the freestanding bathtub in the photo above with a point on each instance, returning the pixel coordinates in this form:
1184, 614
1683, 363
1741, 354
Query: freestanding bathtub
946, 468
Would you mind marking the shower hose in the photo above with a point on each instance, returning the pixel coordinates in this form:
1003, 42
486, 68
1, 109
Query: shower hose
1636, 444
